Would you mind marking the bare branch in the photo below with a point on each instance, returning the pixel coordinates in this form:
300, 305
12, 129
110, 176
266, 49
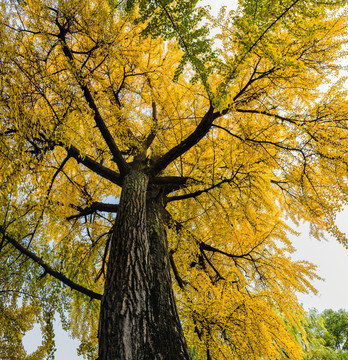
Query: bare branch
102, 269
59, 276
276, 144
118, 158
175, 270
185, 145
93, 165
199, 192
219, 276
96, 206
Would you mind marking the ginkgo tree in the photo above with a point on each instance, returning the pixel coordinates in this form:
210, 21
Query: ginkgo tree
147, 176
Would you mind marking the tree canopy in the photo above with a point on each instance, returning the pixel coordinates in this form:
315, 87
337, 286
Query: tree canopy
228, 142
327, 335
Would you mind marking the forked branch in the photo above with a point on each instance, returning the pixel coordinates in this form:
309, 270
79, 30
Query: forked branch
99, 121
200, 192
201, 130
93, 165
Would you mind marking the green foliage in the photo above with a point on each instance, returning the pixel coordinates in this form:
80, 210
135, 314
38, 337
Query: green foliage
180, 20
327, 335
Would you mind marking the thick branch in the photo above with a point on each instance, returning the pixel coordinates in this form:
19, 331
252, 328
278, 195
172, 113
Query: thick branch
118, 158
59, 276
96, 206
185, 145
102, 269
93, 165
8, 132
210, 248
168, 184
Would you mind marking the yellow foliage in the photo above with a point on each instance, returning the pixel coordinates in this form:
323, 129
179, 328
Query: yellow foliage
276, 149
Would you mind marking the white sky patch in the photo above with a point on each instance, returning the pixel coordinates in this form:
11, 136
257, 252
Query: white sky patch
216, 5
331, 257
65, 345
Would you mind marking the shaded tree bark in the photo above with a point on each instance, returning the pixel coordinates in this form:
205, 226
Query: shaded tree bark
138, 317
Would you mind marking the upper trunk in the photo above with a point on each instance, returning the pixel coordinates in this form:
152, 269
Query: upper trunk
138, 317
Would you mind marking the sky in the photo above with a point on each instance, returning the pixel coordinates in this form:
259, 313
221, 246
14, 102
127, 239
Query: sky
330, 257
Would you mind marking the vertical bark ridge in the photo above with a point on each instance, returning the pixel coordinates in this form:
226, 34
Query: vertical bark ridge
123, 329
138, 316
167, 331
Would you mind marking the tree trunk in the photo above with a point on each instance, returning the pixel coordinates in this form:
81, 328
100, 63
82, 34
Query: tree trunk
138, 316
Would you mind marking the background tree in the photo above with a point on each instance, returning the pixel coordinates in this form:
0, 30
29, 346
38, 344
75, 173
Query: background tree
124, 108
336, 323
327, 335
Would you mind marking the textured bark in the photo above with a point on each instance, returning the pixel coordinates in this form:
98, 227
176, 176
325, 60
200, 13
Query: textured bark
138, 318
